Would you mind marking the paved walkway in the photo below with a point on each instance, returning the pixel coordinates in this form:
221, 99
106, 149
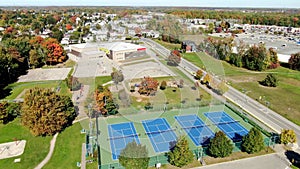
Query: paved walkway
269, 161
78, 98
49, 155
83, 160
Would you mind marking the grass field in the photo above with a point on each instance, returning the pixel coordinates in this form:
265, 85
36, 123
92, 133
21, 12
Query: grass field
242, 79
35, 151
170, 46
18, 88
67, 148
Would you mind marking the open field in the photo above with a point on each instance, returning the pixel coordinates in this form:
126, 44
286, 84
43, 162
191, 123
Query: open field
18, 88
170, 46
67, 148
36, 147
242, 79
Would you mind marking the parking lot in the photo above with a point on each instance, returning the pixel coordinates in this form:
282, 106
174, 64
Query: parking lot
281, 44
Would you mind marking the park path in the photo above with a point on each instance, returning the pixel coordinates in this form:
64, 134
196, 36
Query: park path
49, 155
79, 98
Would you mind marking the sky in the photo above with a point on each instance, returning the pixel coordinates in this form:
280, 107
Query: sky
194, 3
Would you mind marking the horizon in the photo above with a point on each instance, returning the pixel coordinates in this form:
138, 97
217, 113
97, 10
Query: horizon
293, 4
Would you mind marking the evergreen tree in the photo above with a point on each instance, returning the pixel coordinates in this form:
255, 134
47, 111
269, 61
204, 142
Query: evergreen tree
181, 154
220, 145
270, 81
134, 156
253, 142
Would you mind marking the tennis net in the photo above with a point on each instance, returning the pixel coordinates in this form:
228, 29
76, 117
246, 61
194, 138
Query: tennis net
124, 136
160, 131
227, 122
196, 126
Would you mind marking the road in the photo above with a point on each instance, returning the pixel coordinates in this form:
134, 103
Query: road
272, 119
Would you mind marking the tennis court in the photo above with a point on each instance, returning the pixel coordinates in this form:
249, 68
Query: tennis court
120, 135
233, 129
161, 135
195, 128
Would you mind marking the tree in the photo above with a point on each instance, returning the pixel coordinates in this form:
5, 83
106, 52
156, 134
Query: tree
117, 76
181, 154
220, 145
222, 87
199, 74
270, 80
148, 86
256, 58
206, 79
134, 156
294, 61
55, 52
273, 58
45, 113
163, 85
73, 83
253, 142
36, 59
174, 58
288, 136
104, 101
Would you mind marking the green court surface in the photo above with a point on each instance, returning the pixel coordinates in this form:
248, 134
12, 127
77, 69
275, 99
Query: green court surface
136, 119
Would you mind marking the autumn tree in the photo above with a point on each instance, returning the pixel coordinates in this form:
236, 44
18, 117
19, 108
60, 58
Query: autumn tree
256, 58
221, 88
163, 85
253, 142
55, 52
220, 145
288, 136
45, 113
206, 79
294, 61
104, 101
274, 62
174, 58
148, 86
134, 156
181, 154
199, 74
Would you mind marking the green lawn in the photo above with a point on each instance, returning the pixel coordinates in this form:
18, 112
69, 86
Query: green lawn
35, 151
170, 46
242, 79
17, 88
67, 148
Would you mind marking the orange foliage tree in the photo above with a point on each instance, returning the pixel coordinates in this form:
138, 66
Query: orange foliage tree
148, 86
55, 52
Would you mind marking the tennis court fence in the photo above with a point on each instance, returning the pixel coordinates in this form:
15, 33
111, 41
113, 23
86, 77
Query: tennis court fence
198, 153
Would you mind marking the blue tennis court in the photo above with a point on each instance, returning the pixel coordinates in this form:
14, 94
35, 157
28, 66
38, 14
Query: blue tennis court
120, 135
195, 128
161, 135
232, 128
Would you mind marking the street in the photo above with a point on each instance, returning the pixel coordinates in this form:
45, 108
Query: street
272, 119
